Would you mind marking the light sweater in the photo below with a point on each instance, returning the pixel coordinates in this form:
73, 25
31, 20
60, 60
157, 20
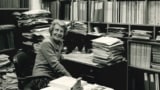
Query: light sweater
47, 60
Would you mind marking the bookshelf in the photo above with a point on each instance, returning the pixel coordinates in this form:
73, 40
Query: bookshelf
8, 30
7, 37
8, 7
14, 4
136, 22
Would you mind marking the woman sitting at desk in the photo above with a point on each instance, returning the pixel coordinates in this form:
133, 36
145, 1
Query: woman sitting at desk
47, 60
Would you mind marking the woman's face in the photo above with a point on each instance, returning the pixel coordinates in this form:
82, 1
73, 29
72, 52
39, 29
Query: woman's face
57, 33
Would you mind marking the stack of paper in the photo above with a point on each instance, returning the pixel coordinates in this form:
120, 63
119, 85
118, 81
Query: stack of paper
141, 34
117, 32
70, 83
107, 50
66, 83
5, 63
8, 77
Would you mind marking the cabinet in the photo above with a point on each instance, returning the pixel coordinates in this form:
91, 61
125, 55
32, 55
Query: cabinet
136, 22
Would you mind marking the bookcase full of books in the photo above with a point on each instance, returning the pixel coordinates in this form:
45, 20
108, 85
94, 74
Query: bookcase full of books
136, 22
8, 30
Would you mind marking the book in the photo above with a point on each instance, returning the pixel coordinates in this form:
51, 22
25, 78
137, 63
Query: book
146, 81
67, 83
157, 81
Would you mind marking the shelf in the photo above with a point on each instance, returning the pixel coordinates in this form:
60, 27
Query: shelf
7, 50
19, 9
145, 69
144, 41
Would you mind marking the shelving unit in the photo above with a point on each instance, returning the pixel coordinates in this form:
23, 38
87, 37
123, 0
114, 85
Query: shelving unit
134, 15
9, 37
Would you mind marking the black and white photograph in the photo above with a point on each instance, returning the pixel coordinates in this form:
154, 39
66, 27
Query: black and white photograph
79, 44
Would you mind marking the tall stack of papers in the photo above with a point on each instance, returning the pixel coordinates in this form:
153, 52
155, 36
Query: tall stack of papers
107, 50
4, 63
8, 79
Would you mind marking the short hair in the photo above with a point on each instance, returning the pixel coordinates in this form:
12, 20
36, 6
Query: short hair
59, 22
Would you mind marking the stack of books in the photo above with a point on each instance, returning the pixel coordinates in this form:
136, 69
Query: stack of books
155, 57
107, 50
141, 34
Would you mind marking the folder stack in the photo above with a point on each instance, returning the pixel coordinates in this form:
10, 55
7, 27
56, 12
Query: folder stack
107, 50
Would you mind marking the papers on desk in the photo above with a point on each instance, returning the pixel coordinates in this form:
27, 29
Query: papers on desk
107, 50
66, 82
70, 83
80, 58
96, 87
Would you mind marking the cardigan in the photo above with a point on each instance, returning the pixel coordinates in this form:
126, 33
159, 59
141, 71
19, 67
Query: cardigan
47, 60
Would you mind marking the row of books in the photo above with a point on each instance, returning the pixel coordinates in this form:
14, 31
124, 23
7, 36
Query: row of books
154, 12
79, 10
6, 36
145, 56
119, 11
151, 81
140, 55
134, 12
67, 11
6, 40
14, 3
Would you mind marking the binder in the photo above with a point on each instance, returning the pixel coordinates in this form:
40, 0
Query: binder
152, 82
146, 81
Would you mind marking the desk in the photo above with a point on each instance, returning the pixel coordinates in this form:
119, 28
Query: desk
81, 65
82, 58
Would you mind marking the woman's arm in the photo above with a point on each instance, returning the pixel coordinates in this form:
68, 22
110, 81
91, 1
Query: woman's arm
51, 57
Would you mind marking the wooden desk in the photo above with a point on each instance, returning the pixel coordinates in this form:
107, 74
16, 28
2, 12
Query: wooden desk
81, 65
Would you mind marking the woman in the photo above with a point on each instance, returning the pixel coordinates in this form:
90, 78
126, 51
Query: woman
47, 66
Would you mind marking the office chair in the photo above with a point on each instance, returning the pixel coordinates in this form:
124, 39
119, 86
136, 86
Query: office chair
24, 62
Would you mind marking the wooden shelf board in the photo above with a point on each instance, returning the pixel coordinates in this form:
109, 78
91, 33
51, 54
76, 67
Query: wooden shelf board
145, 69
14, 8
